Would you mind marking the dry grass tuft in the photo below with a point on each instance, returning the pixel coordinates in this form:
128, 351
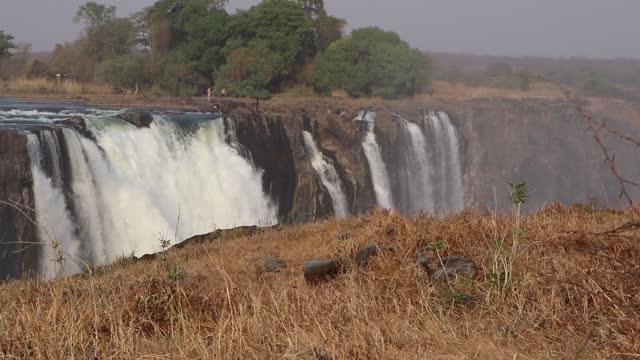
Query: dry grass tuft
44, 86
447, 90
558, 292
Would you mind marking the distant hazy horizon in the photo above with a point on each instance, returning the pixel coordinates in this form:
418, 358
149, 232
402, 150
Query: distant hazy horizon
543, 28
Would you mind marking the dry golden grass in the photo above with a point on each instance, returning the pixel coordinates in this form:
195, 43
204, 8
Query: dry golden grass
44, 86
570, 296
451, 91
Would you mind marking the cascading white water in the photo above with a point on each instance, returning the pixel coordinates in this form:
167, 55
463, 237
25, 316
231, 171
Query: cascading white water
53, 154
328, 175
161, 182
135, 186
418, 175
84, 200
447, 159
56, 229
377, 167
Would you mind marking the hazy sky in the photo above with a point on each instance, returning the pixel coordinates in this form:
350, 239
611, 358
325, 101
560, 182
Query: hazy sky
592, 28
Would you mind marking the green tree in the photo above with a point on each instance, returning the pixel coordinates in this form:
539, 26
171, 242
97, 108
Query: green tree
72, 59
123, 72
187, 37
177, 74
249, 72
94, 16
281, 26
38, 69
6, 44
326, 28
372, 62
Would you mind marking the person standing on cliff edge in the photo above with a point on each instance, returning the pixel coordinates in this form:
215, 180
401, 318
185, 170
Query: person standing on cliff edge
209, 94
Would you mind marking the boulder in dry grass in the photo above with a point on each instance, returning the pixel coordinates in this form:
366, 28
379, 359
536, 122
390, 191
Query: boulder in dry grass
271, 264
451, 267
316, 271
343, 236
366, 253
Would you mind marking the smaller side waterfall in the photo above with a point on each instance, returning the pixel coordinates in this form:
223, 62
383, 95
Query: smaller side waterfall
328, 175
416, 175
377, 167
446, 158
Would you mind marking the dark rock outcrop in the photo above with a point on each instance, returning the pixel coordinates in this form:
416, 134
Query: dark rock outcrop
365, 253
267, 140
450, 268
271, 264
79, 124
17, 256
139, 119
316, 271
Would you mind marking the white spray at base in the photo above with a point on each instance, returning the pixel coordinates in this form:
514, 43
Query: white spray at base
328, 175
141, 185
377, 167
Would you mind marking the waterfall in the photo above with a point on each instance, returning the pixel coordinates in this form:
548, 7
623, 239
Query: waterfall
373, 153
55, 225
430, 165
328, 175
447, 159
416, 172
84, 200
123, 193
161, 182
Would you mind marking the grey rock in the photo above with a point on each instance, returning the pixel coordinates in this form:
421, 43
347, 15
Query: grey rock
367, 252
321, 354
139, 119
316, 271
79, 124
454, 266
428, 264
271, 264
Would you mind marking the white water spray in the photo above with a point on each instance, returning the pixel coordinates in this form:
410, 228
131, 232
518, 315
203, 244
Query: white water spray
136, 186
419, 173
328, 175
447, 159
55, 227
85, 202
377, 167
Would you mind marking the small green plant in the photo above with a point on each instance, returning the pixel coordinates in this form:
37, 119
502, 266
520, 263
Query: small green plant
438, 245
519, 193
500, 277
175, 274
459, 290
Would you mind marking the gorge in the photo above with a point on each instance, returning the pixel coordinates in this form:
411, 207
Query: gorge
114, 189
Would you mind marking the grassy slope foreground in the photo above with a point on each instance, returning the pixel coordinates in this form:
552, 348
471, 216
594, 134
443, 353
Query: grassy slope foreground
552, 287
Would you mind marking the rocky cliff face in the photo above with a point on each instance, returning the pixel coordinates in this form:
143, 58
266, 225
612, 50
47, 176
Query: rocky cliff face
16, 231
542, 142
